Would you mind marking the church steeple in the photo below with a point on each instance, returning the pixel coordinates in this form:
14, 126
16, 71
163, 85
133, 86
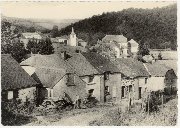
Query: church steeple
72, 39
72, 32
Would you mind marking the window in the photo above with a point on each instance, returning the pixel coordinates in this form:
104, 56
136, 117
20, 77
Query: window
90, 92
146, 80
140, 92
10, 95
91, 78
130, 88
123, 92
70, 79
106, 75
106, 90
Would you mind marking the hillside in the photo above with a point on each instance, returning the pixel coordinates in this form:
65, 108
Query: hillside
23, 24
43, 25
48, 24
153, 26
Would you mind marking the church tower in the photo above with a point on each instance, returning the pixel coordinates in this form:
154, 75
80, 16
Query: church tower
72, 39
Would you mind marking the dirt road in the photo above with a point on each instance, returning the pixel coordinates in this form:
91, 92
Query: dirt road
79, 120
82, 119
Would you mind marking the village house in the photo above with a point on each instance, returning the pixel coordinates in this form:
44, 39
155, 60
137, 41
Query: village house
133, 47
15, 82
161, 77
121, 41
134, 79
102, 77
25, 37
121, 46
56, 77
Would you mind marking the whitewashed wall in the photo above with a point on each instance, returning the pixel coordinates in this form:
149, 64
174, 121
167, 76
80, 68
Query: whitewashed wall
156, 83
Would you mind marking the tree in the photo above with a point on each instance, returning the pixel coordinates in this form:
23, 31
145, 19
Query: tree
18, 51
32, 46
11, 45
54, 31
45, 47
31, 29
143, 48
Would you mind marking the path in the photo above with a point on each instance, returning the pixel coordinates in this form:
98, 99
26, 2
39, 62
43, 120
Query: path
79, 120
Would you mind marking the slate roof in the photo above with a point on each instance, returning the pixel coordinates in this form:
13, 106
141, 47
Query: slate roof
51, 61
100, 63
47, 76
116, 38
157, 69
81, 66
170, 64
130, 67
13, 76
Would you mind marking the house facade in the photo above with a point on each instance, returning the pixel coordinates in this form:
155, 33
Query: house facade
55, 76
15, 82
161, 77
133, 46
100, 75
122, 44
134, 79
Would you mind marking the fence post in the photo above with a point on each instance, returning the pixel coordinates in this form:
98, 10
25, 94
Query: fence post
148, 102
162, 99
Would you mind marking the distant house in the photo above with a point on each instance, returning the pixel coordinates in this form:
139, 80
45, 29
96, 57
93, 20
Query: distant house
55, 75
102, 78
133, 46
15, 82
81, 43
121, 41
134, 78
25, 37
161, 77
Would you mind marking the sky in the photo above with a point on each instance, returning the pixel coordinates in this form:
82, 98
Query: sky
69, 10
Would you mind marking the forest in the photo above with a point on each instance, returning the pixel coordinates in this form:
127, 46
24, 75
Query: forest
157, 27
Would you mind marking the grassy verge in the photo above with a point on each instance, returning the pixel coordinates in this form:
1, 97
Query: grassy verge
167, 116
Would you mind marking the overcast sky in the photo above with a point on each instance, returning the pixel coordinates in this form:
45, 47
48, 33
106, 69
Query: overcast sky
69, 10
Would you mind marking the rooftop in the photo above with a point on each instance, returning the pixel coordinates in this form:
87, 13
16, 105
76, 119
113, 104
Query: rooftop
13, 76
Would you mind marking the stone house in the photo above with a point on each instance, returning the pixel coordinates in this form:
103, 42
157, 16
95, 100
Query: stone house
134, 78
102, 78
15, 82
161, 77
122, 46
133, 47
55, 76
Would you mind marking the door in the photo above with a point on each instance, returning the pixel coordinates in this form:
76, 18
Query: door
140, 89
123, 92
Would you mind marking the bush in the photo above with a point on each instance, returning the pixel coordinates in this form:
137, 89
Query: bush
14, 114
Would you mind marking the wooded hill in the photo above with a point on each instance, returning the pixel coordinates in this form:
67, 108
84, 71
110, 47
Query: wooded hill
157, 27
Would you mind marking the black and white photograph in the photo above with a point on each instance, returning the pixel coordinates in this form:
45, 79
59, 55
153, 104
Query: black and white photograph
89, 63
